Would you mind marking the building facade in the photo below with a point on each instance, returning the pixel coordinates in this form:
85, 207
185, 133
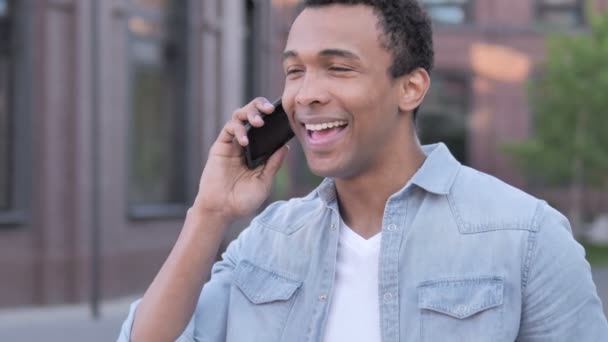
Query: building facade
108, 108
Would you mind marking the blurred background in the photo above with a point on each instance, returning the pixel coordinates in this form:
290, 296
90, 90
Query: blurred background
108, 109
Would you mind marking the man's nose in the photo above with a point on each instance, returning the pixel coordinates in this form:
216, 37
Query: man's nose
311, 91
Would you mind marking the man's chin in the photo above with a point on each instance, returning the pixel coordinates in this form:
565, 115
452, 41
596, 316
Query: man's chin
323, 169
330, 170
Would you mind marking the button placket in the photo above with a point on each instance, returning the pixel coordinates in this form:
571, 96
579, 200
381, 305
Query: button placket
393, 225
388, 297
327, 271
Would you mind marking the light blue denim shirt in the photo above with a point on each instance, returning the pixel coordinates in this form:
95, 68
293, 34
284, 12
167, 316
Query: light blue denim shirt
464, 257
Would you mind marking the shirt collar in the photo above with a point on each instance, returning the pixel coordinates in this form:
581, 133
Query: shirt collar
436, 175
327, 190
439, 170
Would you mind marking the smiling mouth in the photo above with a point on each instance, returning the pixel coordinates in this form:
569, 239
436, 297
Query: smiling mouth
321, 133
324, 126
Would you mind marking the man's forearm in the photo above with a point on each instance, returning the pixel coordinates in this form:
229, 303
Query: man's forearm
169, 302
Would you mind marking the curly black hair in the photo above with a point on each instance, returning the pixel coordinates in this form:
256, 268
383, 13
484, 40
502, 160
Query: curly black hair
408, 33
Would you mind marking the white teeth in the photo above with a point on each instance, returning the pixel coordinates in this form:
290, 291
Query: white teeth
326, 125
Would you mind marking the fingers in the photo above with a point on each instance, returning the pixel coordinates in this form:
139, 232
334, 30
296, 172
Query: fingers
234, 130
252, 114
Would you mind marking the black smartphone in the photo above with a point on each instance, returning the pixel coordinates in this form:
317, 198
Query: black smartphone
265, 140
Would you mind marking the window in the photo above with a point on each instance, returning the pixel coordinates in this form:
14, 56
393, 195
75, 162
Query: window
443, 114
158, 69
560, 13
6, 58
250, 59
15, 61
449, 12
6, 165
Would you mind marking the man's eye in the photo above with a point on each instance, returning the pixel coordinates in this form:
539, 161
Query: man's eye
339, 69
292, 71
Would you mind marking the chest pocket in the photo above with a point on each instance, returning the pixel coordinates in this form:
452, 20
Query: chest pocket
461, 309
261, 286
260, 303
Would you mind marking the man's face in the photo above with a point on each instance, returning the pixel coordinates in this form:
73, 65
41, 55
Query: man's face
338, 94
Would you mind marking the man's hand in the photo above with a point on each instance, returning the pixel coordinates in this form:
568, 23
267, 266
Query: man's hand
227, 190
227, 187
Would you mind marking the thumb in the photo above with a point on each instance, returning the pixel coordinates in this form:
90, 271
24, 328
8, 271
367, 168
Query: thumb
274, 163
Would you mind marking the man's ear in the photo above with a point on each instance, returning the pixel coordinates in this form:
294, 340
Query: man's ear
413, 89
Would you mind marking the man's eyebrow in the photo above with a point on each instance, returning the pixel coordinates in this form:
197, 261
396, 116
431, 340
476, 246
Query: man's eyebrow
289, 54
324, 53
338, 53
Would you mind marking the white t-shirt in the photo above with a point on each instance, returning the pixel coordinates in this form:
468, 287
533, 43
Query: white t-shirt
354, 311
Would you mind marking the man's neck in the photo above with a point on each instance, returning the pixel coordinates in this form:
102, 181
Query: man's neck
362, 198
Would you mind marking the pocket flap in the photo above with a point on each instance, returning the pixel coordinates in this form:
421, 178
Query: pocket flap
263, 286
461, 298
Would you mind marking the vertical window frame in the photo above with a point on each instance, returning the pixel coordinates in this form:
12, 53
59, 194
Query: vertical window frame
156, 210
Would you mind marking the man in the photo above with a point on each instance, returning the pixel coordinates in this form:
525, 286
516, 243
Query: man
399, 243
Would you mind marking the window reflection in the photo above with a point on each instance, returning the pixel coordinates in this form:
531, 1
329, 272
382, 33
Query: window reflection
6, 67
447, 15
560, 13
158, 81
140, 26
448, 12
159, 5
443, 115
3, 8
251, 28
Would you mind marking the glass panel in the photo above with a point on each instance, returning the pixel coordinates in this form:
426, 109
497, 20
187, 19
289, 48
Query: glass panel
6, 165
443, 115
444, 2
572, 3
158, 85
560, 18
144, 27
153, 4
560, 13
250, 46
448, 14
3, 8
5, 136
447, 11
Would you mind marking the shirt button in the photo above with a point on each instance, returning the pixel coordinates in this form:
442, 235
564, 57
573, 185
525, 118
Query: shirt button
322, 297
391, 227
388, 297
333, 226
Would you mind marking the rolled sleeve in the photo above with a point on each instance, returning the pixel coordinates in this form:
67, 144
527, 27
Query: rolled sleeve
209, 320
127, 325
125, 330
560, 298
